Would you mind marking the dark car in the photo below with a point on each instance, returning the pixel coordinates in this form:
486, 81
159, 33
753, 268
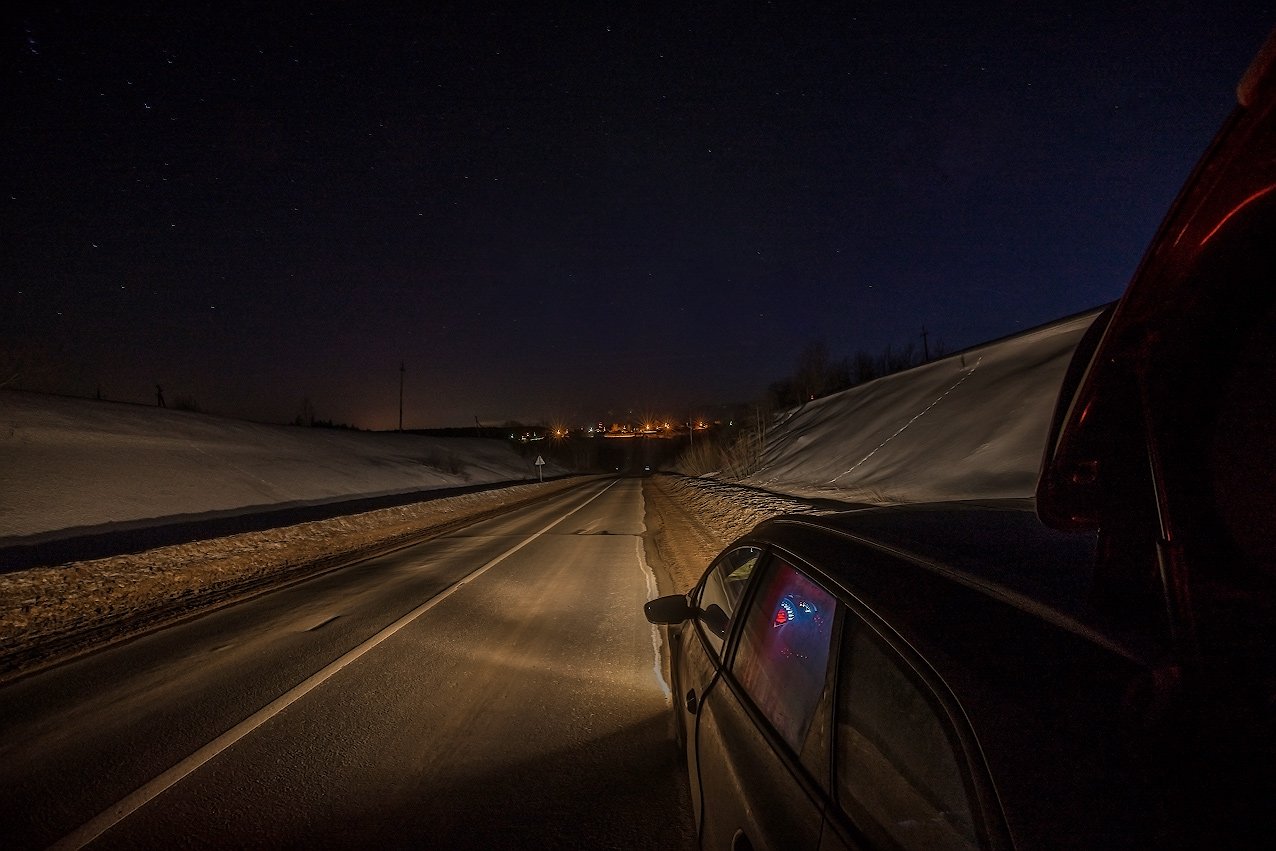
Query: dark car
1097, 673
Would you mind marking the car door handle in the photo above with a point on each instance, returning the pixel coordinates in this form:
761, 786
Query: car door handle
692, 703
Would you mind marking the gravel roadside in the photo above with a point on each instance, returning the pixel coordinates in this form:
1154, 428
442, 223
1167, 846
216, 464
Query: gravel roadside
691, 520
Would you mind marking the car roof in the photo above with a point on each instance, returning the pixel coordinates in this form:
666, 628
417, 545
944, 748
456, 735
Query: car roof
999, 546
994, 604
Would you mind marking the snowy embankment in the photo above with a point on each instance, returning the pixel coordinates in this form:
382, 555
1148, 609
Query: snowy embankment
968, 426
73, 465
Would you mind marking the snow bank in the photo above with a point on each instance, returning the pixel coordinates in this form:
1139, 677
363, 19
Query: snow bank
969, 426
73, 463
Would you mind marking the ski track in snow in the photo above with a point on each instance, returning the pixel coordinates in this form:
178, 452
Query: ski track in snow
915, 418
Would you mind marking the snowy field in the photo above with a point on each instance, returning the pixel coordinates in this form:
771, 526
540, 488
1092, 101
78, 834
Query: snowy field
76, 463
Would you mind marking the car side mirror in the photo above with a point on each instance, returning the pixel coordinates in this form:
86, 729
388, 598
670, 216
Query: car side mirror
716, 620
1069, 490
668, 611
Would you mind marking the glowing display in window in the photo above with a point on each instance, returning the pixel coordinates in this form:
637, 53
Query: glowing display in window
790, 608
785, 613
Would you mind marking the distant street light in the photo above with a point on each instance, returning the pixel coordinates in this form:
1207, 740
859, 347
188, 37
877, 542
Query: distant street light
402, 368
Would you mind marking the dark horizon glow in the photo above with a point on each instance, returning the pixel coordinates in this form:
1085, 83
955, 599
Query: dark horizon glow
570, 215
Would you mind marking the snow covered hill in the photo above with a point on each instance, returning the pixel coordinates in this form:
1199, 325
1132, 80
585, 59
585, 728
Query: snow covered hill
75, 464
969, 426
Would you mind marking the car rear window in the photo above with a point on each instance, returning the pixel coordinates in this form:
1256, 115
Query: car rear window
900, 776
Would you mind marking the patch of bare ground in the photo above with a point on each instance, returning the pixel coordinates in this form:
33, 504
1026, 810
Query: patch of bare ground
49, 614
690, 520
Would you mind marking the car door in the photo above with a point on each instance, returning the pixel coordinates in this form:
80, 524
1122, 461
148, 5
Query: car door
761, 761
702, 639
900, 779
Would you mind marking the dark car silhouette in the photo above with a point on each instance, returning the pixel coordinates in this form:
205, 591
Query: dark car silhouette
1092, 669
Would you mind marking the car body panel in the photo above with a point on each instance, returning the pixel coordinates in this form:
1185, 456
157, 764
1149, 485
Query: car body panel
703, 644
755, 791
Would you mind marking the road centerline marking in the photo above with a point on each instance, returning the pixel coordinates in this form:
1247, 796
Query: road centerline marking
139, 798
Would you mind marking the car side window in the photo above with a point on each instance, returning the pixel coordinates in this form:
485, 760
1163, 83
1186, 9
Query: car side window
900, 775
782, 657
720, 592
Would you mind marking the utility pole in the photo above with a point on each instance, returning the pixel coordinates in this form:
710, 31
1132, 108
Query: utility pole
925, 345
402, 368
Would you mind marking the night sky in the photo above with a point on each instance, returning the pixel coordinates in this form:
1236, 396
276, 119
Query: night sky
568, 212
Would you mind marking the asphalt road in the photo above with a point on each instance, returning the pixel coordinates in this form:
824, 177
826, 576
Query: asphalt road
383, 706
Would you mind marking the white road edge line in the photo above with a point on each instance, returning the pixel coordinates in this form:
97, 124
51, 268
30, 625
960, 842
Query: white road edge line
653, 588
650, 578
124, 808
